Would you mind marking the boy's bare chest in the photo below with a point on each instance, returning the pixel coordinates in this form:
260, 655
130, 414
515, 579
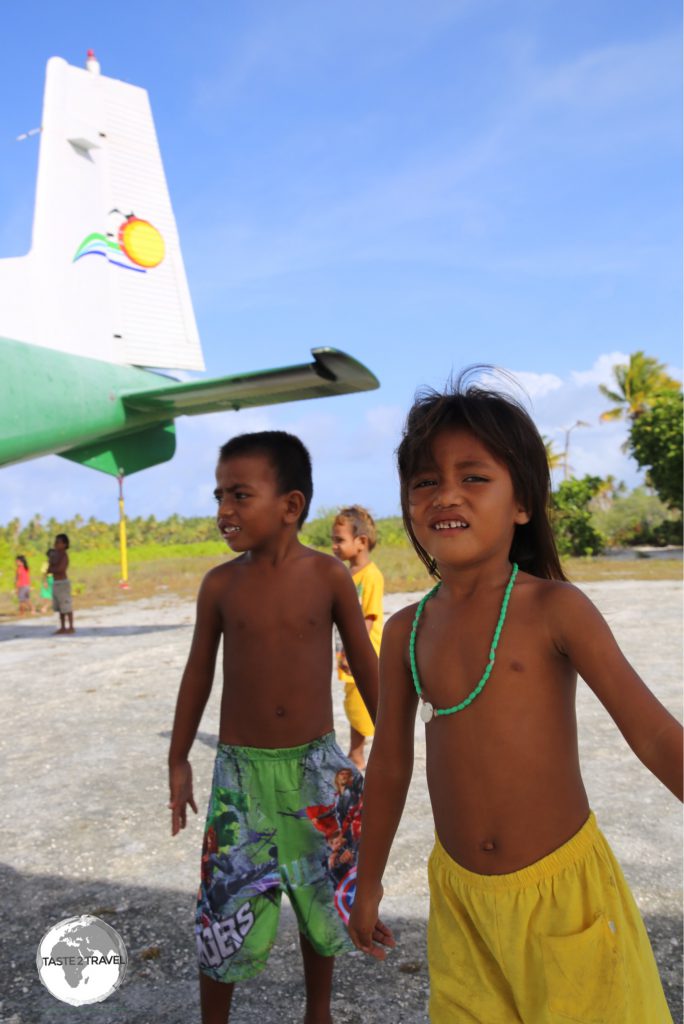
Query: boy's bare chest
262, 612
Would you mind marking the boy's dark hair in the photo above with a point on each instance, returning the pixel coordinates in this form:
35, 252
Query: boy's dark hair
287, 454
63, 536
361, 522
22, 559
506, 429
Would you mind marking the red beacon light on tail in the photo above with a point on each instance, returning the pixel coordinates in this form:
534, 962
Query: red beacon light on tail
92, 63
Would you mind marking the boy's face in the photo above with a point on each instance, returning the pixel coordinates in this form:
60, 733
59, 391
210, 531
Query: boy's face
251, 512
345, 545
59, 543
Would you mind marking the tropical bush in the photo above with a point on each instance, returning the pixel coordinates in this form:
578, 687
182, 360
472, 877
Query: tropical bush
637, 518
572, 517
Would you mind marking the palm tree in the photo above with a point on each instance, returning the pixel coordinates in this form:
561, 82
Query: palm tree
554, 458
639, 384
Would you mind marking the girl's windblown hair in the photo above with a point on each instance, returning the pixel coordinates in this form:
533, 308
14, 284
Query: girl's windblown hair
503, 426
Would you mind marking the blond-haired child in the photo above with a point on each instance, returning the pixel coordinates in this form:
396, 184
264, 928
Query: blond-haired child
353, 538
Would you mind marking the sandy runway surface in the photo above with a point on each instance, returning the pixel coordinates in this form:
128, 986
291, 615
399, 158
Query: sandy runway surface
85, 829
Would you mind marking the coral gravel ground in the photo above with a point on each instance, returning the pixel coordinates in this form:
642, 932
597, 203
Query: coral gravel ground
85, 827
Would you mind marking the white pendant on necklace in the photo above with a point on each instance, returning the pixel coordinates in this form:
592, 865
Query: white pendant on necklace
426, 711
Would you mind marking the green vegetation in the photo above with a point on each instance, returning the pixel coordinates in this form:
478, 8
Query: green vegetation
588, 514
575, 534
175, 563
655, 441
639, 384
639, 517
652, 402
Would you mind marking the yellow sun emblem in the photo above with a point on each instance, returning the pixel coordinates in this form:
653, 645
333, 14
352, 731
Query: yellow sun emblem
141, 242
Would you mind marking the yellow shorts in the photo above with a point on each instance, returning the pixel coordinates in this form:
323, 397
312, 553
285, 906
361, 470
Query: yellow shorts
559, 941
356, 710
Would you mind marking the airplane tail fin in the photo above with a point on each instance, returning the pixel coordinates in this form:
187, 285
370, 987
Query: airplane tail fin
105, 275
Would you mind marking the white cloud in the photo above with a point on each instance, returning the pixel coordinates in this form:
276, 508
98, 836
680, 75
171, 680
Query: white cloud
606, 78
601, 372
385, 421
538, 385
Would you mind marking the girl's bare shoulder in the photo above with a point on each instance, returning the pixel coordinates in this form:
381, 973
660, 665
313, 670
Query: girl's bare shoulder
561, 606
556, 591
399, 625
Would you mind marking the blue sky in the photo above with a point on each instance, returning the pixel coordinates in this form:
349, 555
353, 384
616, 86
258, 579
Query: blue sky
422, 186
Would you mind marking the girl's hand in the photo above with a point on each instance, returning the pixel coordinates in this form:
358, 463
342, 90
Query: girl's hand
180, 785
366, 930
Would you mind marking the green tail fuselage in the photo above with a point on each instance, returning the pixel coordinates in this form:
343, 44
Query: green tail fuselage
53, 402
119, 419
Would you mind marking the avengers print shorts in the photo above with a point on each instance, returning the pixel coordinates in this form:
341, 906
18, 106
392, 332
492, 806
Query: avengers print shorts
285, 820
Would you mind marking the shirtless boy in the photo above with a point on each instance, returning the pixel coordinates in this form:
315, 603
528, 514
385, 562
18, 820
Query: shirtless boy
58, 564
284, 812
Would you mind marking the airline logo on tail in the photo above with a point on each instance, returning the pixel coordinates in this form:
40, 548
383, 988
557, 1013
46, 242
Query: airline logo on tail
136, 245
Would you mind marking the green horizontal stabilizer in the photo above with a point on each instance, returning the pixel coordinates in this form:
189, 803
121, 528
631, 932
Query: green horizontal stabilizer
127, 453
331, 373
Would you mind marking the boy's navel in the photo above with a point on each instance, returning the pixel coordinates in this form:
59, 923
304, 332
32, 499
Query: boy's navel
280, 710
488, 845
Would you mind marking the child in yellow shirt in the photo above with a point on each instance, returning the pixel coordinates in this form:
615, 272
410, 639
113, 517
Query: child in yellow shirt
353, 538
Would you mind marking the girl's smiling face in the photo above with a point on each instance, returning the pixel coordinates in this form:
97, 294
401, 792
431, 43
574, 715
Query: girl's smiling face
462, 504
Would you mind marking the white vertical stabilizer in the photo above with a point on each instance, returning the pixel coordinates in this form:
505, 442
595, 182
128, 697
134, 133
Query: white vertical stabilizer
105, 275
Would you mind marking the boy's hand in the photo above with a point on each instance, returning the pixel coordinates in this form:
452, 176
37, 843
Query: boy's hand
366, 930
343, 663
180, 784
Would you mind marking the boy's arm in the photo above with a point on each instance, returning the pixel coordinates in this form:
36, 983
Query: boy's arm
58, 561
652, 732
194, 692
388, 775
358, 650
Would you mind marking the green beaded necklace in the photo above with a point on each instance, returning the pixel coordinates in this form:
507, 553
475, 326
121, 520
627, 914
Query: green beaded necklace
427, 710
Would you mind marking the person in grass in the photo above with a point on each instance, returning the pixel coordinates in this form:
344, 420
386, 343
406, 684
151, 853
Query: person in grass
531, 919
58, 564
354, 536
22, 582
285, 806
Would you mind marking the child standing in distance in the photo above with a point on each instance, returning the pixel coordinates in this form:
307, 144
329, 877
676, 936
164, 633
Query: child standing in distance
46, 585
530, 918
284, 811
353, 538
58, 563
22, 582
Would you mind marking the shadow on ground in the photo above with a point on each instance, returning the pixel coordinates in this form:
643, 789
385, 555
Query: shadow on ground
7, 632
161, 985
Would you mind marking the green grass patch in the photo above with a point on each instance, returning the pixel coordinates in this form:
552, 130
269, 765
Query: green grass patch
157, 570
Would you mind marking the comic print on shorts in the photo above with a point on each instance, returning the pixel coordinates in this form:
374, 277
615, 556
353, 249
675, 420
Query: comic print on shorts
340, 824
236, 868
277, 825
